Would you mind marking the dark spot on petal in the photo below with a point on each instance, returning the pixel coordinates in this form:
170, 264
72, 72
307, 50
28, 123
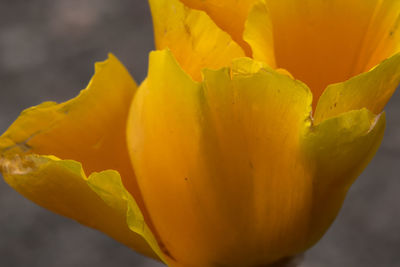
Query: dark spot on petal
187, 29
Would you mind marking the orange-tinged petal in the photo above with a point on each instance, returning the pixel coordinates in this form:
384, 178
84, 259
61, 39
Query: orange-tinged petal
371, 90
323, 42
382, 39
207, 163
338, 149
192, 36
62, 187
89, 128
228, 15
258, 33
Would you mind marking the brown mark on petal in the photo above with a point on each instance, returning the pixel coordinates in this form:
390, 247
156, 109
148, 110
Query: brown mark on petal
187, 29
16, 165
395, 27
23, 145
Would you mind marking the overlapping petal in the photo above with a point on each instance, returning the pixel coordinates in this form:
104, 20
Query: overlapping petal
319, 42
230, 16
194, 39
216, 149
258, 33
222, 131
246, 139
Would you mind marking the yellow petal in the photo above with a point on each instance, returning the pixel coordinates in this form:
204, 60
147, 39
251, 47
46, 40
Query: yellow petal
230, 16
247, 66
219, 156
323, 42
192, 36
89, 128
109, 187
371, 90
62, 187
258, 33
338, 150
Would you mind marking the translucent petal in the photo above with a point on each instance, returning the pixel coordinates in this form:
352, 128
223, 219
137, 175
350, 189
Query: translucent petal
337, 150
371, 90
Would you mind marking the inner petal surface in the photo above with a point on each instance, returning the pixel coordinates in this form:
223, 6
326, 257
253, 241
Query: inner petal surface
323, 42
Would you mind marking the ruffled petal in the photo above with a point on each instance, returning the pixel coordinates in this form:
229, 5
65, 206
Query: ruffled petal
192, 36
258, 33
371, 90
219, 155
338, 150
90, 128
62, 187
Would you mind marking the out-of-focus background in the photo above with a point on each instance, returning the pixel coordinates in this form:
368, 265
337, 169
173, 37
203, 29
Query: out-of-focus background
47, 52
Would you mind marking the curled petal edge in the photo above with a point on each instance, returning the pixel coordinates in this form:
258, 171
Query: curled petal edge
99, 201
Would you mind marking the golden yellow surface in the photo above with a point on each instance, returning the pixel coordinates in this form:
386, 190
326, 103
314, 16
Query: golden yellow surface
258, 33
371, 90
229, 15
236, 160
319, 42
219, 159
192, 36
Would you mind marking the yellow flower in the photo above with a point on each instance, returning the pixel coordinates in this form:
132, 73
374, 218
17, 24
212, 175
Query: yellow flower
219, 159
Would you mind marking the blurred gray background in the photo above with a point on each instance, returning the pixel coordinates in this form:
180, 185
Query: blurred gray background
47, 52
